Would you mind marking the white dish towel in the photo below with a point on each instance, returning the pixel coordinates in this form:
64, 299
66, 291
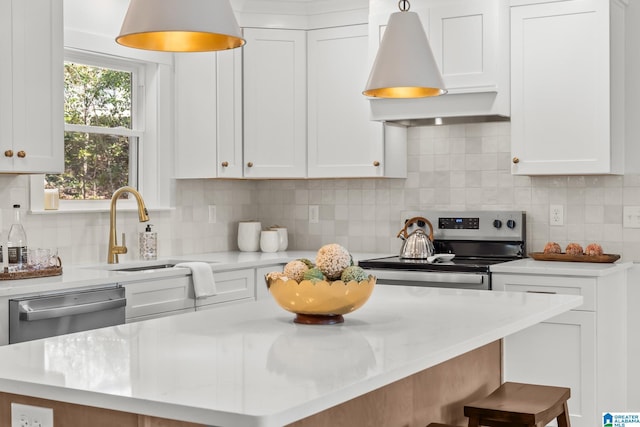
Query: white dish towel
204, 284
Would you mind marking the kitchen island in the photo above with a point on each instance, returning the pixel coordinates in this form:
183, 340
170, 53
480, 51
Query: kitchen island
250, 365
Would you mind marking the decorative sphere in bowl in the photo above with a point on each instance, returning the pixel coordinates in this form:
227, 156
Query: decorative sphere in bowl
320, 301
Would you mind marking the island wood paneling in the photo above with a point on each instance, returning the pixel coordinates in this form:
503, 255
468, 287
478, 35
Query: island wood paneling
437, 394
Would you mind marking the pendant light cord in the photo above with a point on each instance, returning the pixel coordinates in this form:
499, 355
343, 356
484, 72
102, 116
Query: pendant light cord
404, 5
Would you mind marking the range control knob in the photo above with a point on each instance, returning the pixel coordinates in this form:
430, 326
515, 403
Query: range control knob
421, 223
497, 223
511, 224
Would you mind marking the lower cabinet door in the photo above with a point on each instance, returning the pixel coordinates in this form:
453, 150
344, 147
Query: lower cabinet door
230, 286
559, 352
158, 298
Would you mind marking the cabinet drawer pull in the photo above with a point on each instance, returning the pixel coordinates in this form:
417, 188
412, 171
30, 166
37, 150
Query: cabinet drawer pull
225, 164
250, 164
8, 153
542, 292
376, 163
516, 160
22, 154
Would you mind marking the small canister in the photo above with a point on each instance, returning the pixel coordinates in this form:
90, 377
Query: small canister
148, 243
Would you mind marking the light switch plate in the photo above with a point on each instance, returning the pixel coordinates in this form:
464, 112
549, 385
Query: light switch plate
631, 217
212, 214
314, 214
30, 416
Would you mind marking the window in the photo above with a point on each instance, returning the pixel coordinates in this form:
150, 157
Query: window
118, 129
101, 116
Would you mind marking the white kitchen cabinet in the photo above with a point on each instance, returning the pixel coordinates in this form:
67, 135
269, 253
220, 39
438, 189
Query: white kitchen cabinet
208, 112
567, 77
262, 292
275, 103
342, 140
159, 298
470, 43
231, 286
31, 86
584, 349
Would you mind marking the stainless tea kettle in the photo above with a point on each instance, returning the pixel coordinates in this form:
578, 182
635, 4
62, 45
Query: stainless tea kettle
417, 245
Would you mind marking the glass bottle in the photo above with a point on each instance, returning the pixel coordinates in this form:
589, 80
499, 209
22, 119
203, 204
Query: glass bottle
17, 242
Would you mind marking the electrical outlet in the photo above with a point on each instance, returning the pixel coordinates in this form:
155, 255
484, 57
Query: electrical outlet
30, 416
631, 217
314, 214
556, 215
212, 214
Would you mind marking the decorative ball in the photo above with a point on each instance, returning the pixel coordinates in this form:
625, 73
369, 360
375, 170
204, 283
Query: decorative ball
295, 270
354, 273
593, 249
332, 259
552, 248
574, 249
313, 274
307, 262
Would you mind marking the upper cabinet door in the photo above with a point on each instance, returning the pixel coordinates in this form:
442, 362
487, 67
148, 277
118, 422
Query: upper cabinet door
467, 44
342, 140
275, 103
229, 132
32, 134
196, 113
567, 110
208, 112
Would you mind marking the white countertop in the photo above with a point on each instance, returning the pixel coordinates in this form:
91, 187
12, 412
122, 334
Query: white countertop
80, 276
558, 268
250, 365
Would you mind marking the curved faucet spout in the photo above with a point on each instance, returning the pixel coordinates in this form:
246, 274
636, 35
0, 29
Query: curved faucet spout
143, 215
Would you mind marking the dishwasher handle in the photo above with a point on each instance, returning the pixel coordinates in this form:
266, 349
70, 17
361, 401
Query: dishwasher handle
29, 314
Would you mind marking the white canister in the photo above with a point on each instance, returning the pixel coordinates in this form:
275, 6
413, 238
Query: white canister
249, 236
269, 241
283, 238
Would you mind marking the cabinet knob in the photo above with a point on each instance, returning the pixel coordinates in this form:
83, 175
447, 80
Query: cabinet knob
22, 154
515, 160
8, 153
250, 164
376, 163
225, 164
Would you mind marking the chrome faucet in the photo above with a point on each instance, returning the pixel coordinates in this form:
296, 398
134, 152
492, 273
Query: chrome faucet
114, 249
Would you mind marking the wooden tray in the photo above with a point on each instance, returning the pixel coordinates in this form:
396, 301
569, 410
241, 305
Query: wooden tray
540, 256
32, 274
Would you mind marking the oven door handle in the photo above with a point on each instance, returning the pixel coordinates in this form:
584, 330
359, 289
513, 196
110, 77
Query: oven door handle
428, 276
29, 314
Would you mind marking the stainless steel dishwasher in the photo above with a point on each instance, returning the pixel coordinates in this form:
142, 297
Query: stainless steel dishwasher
61, 313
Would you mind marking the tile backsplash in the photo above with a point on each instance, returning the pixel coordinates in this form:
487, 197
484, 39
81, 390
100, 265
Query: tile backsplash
449, 167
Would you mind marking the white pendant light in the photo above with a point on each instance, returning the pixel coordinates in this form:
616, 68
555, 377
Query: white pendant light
180, 26
404, 66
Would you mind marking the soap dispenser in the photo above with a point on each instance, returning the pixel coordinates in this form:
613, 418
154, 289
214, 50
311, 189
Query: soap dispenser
148, 243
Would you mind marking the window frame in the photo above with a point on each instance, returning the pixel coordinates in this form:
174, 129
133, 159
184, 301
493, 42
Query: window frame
155, 160
136, 131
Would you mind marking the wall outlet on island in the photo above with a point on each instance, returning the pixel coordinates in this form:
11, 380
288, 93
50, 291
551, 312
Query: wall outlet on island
30, 416
556, 215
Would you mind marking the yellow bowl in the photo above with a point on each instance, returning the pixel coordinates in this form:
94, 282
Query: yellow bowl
320, 302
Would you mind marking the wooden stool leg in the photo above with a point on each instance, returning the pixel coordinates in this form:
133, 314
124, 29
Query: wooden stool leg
563, 419
475, 422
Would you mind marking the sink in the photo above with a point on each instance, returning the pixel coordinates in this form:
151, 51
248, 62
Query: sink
144, 267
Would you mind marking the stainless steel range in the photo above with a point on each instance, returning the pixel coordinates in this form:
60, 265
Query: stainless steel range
478, 239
